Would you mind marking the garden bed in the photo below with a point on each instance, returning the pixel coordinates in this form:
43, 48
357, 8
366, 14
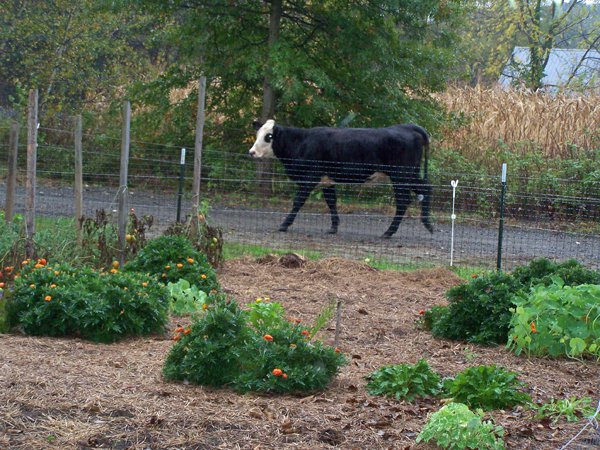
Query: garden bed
69, 393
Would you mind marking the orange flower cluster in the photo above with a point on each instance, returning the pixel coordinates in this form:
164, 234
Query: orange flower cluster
532, 326
268, 337
181, 331
279, 373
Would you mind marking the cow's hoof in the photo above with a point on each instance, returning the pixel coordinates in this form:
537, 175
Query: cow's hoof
283, 229
387, 235
332, 231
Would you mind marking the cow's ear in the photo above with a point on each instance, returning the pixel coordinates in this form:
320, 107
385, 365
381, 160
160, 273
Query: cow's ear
257, 125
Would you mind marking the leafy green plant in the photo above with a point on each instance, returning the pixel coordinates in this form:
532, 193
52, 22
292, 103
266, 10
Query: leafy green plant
542, 271
571, 409
487, 387
479, 311
255, 350
61, 300
557, 320
456, 427
172, 258
405, 381
185, 298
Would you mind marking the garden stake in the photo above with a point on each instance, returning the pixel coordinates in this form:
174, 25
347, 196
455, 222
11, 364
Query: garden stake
453, 183
501, 230
181, 174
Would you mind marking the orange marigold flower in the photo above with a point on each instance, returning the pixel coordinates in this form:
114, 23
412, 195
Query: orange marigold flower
38, 266
179, 265
52, 286
203, 276
187, 331
337, 350
268, 337
164, 275
421, 312
25, 262
306, 332
167, 267
474, 275
284, 376
47, 298
176, 337
277, 372
113, 270
2, 285
205, 306
532, 326
145, 283
32, 286
42, 261
190, 260
115, 264
178, 329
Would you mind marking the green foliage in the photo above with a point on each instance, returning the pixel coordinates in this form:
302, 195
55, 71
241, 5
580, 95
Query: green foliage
172, 258
479, 311
543, 271
405, 381
572, 409
456, 427
254, 350
557, 320
486, 387
185, 298
60, 300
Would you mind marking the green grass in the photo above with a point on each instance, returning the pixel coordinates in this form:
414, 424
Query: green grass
232, 250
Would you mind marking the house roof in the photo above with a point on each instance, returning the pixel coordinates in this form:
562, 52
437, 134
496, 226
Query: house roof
561, 64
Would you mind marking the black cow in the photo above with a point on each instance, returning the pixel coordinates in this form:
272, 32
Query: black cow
349, 155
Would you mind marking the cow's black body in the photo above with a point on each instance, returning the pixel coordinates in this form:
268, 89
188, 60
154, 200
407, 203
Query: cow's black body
353, 155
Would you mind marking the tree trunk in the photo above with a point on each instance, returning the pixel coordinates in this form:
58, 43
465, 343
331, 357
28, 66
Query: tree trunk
264, 167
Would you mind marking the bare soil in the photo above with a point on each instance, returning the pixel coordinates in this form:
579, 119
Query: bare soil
72, 394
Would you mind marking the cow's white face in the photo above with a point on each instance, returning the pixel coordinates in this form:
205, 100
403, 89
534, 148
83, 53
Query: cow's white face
263, 146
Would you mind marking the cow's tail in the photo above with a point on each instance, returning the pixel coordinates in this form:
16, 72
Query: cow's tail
426, 188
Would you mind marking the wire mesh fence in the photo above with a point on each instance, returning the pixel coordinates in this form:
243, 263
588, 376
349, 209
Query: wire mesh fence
553, 218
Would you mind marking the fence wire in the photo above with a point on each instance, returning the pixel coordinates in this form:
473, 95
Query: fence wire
553, 218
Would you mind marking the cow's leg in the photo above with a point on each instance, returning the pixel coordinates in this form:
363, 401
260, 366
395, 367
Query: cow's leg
402, 195
424, 192
331, 199
304, 190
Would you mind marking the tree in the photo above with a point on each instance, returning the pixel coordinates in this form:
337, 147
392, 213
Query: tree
495, 27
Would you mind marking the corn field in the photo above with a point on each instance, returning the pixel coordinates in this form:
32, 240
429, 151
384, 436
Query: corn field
522, 121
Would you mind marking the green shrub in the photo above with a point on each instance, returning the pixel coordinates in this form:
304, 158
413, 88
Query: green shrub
172, 258
479, 311
60, 300
557, 320
456, 427
256, 350
486, 387
542, 271
405, 381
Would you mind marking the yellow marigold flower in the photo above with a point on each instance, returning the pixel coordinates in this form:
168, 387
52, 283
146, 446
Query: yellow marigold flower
47, 298
205, 306
32, 286
38, 266
203, 276
179, 265
145, 283
52, 286
167, 267
115, 264
190, 260
56, 272
259, 299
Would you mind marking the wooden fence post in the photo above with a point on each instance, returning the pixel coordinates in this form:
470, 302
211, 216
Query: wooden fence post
11, 181
122, 195
32, 126
198, 153
78, 176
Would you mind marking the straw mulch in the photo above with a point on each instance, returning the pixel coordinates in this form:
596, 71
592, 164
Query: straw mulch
71, 394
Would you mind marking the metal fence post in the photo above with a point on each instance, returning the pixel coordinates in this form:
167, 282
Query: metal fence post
181, 175
501, 227
30, 182
122, 195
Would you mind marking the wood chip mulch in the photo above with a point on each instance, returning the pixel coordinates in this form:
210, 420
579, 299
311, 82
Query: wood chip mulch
72, 394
